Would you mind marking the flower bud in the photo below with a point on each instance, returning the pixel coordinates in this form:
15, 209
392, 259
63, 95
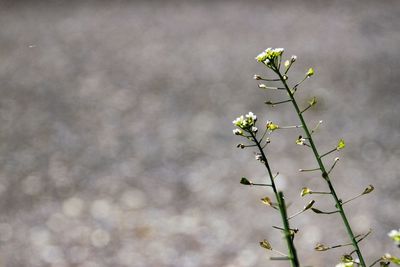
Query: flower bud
245, 181
341, 144
312, 101
310, 72
305, 191
267, 201
237, 132
265, 244
271, 126
300, 140
242, 146
321, 247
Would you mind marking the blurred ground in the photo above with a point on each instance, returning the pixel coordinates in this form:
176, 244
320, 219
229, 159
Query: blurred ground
115, 129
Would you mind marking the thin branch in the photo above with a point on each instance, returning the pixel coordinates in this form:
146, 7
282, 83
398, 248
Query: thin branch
363, 237
316, 127
290, 127
321, 193
351, 199
263, 86
309, 170
324, 212
304, 110
261, 184
333, 166
273, 104
329, 152
375, 262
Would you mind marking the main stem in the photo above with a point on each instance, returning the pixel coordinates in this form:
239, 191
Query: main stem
325, 174
294, 261
287, 231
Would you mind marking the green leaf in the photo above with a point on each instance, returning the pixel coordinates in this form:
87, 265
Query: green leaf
245, 181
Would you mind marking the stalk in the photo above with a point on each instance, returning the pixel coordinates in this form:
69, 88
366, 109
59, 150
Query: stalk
294, 261
288, 235
324, 173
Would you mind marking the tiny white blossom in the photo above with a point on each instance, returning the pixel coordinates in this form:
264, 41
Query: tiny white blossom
293, 58
237, 132
261, 57
395, 236
259, 157
254, 129
239, 121
251, 116
287, 63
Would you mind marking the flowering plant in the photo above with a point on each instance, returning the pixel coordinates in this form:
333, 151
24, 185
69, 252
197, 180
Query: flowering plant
246, 127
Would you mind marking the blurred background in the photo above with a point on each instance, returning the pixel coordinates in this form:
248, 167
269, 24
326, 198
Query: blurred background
116, 144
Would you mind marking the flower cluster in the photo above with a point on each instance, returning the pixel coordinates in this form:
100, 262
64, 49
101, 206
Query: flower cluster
270, 56
246, 123
395, 236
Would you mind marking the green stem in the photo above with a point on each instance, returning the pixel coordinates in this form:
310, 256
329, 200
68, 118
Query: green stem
282, 208
287, 232
325, 174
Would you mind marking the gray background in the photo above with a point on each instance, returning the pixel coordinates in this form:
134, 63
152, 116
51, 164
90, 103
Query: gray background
115, 129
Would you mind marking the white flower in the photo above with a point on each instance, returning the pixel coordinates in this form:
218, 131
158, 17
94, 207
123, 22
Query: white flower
237, 132
251, 116
269, 55
245, 123
254, 129
300, 140
395, 236
287, 63
293, 58
259, 157
239, 121
394, 233
261, 57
